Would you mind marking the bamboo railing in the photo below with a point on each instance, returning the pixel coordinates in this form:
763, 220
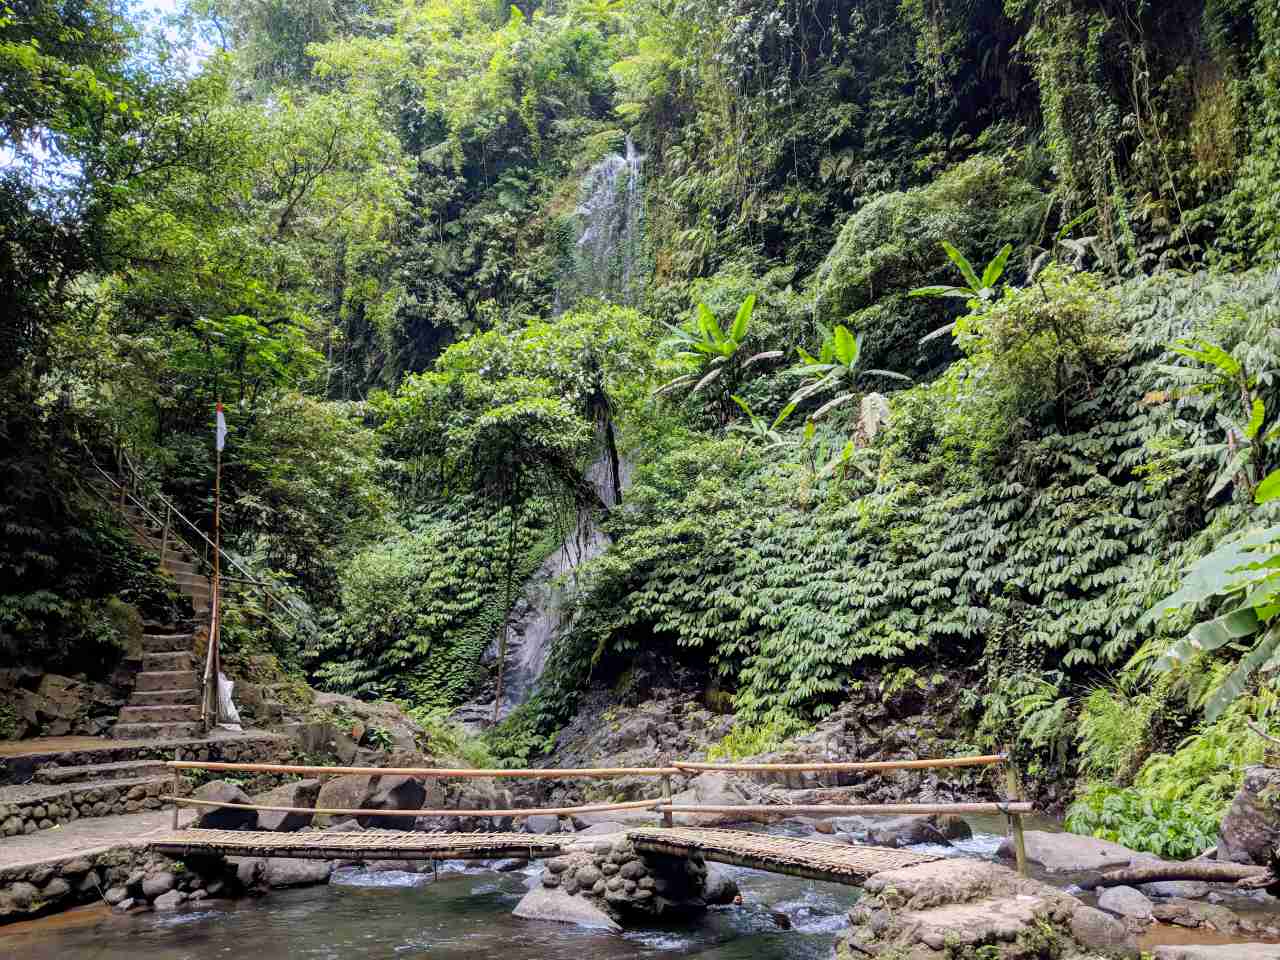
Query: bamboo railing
1014, 808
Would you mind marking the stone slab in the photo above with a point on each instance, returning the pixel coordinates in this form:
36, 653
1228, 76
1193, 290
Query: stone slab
553, 904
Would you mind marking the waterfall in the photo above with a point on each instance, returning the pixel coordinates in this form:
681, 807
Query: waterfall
607, 255
538, 615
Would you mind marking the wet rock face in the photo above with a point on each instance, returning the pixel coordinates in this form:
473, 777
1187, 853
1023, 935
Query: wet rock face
1251, 828
953, 908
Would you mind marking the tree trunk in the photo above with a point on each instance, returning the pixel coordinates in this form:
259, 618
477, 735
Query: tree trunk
1208, 871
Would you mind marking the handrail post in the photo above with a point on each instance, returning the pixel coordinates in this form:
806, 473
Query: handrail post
177, 755
1015, 819
164, 536
667, 820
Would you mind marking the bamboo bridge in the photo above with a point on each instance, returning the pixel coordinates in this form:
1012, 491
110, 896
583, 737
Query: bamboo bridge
813, 859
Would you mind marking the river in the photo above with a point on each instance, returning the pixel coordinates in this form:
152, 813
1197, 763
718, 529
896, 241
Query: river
464, 915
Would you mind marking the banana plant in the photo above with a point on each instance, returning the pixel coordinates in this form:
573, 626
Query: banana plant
719, 354
836, 367
1246, 573
759, 429
980, 289
1219, 374
826, 458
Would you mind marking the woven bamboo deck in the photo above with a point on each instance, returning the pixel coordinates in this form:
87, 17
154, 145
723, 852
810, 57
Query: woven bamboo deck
369, 845
798, 857
812, 859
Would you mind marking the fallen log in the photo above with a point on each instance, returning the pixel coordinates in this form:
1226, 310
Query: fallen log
1155, 872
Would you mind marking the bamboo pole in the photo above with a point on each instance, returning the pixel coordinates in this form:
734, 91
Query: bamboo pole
464, 773
177, 756
529, 812
881, 809
1015, 818
666, 799
164, 536
984, 761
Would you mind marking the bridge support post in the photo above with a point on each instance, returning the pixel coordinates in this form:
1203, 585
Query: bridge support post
177, 755
1015, 819
667, 820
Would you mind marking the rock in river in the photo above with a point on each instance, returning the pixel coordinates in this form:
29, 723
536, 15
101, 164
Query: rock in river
548, 903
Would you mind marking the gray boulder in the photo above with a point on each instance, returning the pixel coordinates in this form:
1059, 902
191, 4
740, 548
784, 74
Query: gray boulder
1251, 828
1100, 931
281, 872
1125, 901
225, 818
719, 888
394, 793
553, 904
344, 793
299, 793
542, 823
1069, 852
157, 884
169, 901
905, 831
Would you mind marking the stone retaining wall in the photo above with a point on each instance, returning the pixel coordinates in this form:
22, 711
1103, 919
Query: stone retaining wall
62, 805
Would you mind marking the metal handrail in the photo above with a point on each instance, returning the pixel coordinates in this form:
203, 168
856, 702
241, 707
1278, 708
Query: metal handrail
126, 491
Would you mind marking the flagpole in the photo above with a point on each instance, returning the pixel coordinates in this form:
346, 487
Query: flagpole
214, 666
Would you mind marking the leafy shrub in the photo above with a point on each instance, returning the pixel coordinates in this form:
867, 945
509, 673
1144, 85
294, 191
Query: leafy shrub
1112, 732
744, 741
1140, 821
418, 611
893, 245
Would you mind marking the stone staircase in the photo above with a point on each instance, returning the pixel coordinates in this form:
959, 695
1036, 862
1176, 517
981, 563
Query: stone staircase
165, 704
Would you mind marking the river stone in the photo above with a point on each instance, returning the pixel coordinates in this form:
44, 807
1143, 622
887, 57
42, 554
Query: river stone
114, 895
158, 883
55, 889
587, 876
299, 793
542, 823
1125, 901
542, 903
714, 788
1232, 951
394, 793
343, 793
905, 831
632, 870
720, 887
1097, 930
290, 872
225, 818
1186, 889
1069, 852
169, 901
602, 829
1251, 828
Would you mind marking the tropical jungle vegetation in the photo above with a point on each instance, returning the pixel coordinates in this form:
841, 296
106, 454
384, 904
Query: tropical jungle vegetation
940, 334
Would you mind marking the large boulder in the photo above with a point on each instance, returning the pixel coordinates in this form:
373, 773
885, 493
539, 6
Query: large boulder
1070, 852
552, 903
343, 793
906, 831
280, 872
1232, 951
225, 818
1126, 902
714, 788
299, 793
1251, 828
719, 887
394, 793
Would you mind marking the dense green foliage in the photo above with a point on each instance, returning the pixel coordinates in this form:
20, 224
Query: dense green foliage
362, 229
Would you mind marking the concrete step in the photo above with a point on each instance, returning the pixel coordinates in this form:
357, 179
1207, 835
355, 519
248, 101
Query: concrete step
191, 580
163, 713
170, 660
168, 642
176, 565
60, 803
164, 680
97, 772
161, 698
157, 731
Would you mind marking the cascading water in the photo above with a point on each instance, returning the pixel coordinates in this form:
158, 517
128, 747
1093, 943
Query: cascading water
607, 255
537, 617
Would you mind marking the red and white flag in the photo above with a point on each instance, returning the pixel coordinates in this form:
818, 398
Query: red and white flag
222, 429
